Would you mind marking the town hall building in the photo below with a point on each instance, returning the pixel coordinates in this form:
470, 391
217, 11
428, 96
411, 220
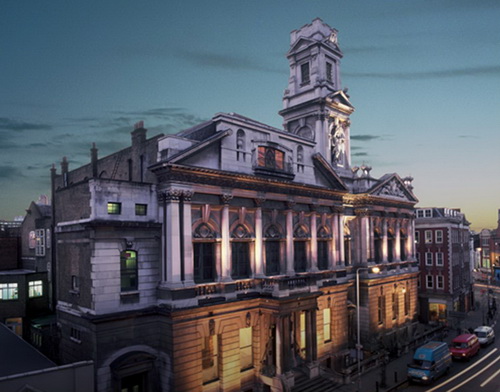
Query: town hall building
226, 257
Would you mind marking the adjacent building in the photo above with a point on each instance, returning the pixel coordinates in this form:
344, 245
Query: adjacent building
489, 251
443, 245
226, 257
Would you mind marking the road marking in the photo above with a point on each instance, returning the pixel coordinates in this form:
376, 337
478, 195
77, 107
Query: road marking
475, 375
463, 371
491, 378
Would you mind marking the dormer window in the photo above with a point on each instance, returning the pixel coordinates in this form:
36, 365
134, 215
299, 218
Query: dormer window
271, 158
304, 74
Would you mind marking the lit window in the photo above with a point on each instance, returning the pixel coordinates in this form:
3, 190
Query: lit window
8, 291
128, 264
428, 236
303, 333
327, 325
429, 282
271, 158
209, 359
304, 73
35, 288
141, 209
114, 208
428, 258
246, 355
439, 258
40, 242
439, 236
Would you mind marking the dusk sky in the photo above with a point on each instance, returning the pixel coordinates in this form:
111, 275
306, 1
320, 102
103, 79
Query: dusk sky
423, 75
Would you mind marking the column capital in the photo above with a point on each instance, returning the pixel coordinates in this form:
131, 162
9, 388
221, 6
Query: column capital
226, 198
290, 204
259, 201
187, 196
362, 212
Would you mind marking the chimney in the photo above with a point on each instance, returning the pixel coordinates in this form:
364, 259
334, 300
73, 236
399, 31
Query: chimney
64, 171
138, 134
93, 160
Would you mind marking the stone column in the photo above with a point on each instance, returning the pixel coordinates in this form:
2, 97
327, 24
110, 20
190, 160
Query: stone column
362, 216
385, 245
173, 243
397, 245
259, 244
162, 210
334, 257
341, 239
372, 240
225, 251
314, 240
290, 269
279, 346
411, 238
187, 237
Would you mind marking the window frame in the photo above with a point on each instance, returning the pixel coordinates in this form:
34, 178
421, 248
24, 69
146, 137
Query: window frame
439, 259
429, 281
428, 236
11, 290
439, 236
429, 259
32, 288
130, 273
440, 282
327, 325
40, 242
114, 208
305, 73
246, 350
141, 209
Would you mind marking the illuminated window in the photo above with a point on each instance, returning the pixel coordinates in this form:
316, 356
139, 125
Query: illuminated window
428, 258
35, 288
439, 236
8, 291
40, 242
141, 209
128, 270
304, 73
428, 236
246, 355
439, 258
209, 358
303, 334
271, 158
327, 325
114, 208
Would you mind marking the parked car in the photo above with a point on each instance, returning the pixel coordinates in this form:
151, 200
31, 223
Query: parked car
485, 335
464, 346
429, 362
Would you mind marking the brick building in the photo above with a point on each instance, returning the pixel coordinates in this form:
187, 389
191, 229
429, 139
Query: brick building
224, 257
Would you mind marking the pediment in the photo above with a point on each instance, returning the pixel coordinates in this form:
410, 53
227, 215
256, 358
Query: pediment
301, 44
340, 98
393, 187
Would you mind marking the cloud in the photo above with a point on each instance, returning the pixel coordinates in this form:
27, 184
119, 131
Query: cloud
15, 125
224, 61
364, 138
360, 154
10, 173
493, 70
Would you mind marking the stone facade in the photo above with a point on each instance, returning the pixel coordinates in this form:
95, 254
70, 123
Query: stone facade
224, 257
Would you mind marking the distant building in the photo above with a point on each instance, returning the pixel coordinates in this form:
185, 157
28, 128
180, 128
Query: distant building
225, 257
443, 245
489, 249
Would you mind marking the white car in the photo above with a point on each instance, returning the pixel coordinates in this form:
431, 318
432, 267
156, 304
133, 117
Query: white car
485, 335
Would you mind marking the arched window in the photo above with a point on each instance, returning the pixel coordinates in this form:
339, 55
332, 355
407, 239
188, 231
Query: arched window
128, 270
323, 248
300, 240
240, 253
204, 258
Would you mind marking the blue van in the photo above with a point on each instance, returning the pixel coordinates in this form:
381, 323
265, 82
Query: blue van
429, 362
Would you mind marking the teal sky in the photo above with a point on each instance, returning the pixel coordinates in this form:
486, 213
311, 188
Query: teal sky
424, 76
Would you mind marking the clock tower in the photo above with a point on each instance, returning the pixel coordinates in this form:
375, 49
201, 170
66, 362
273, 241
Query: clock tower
314, 105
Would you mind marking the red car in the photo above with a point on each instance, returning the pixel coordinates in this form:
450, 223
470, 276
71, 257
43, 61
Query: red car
464, 346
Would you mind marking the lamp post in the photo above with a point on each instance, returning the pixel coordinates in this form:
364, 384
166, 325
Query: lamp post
358, 324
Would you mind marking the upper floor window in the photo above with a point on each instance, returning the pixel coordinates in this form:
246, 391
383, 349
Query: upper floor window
420, 213
428, 258
8, 291
485, 242
329, 72
271, 158
439, 282
240, 145
439, 236
141, 209
128, 270
428, 213
305, 77
114, 208
439, 258
428, 236
429, 283
417, 237
35, 288
40, 242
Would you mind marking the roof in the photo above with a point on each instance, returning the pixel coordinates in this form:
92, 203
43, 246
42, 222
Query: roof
22, 357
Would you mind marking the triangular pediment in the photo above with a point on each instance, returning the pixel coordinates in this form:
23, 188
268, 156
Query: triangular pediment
301, 44
392, 186
340, 99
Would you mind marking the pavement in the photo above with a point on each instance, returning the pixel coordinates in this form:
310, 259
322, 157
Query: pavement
395, 372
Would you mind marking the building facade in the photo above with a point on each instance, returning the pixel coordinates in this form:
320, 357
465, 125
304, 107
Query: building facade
489, 251
226, 257
443, 243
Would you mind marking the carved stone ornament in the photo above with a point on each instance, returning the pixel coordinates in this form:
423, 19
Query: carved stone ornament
393, 188
323, 232
173, 195
272, 232
226, 198
300, 232
240, 232
203, 231
187, 195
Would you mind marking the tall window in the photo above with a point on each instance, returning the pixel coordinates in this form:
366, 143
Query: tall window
439, 258
417, 236
322, 253
246, 354
303, 333
35, 288
428, 258
299, 256
240, 259
428, 236
329, 72
32, 240
439, 236
210, 358
271, 158
440, 282
40, 242
204, 262
407, 299
390, 247
272, 248
378, 246
429, 283
402, 245
394, 304
327, 325
380, 307
8, 291
305, 77
114, 208
128, 270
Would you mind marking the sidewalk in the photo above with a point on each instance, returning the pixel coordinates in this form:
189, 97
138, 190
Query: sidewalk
395, 372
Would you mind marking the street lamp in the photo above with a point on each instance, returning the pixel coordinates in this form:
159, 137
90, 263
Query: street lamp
375, 270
